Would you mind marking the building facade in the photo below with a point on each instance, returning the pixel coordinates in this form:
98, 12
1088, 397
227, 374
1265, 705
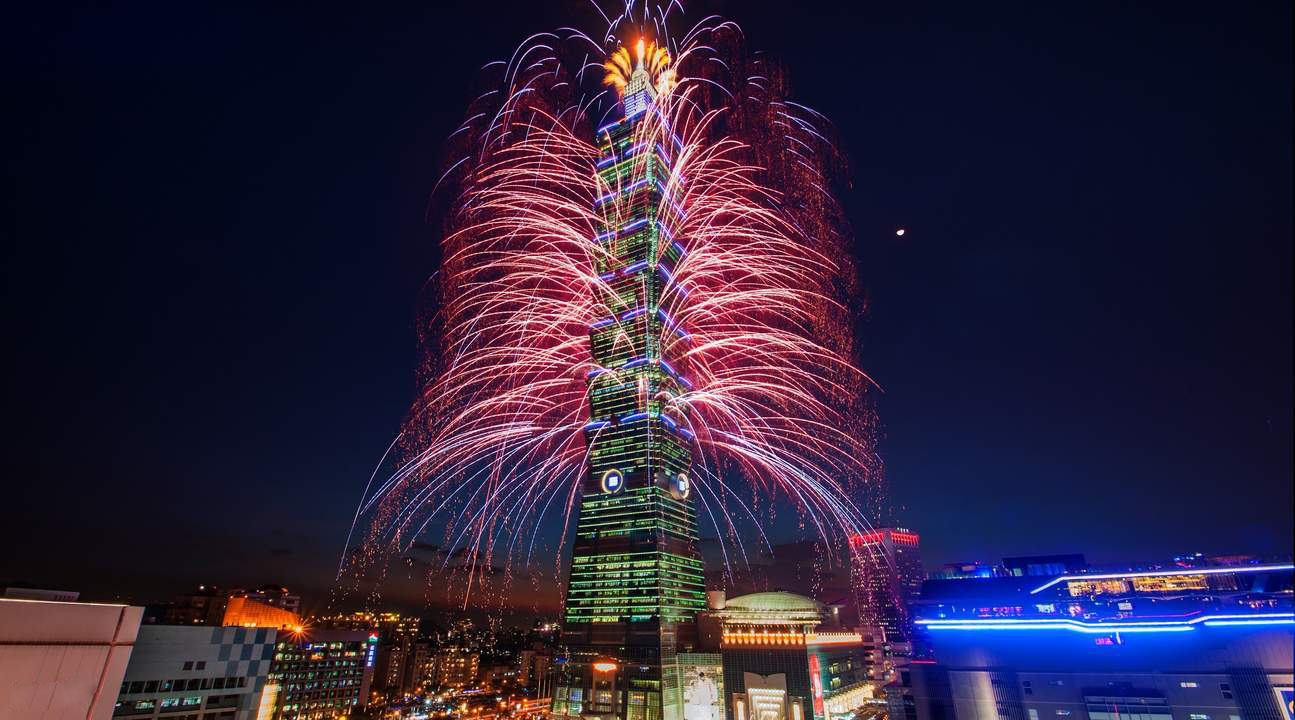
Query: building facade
784, 657
321, 674
887, 576
272, 595
456, 668
1210, 643
196, 673
63, 660
245, 612
636, 579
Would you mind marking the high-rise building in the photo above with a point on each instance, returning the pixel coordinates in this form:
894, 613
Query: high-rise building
636, 574
887, 576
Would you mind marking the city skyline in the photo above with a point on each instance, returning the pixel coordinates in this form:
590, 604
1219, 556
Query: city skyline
1198, 331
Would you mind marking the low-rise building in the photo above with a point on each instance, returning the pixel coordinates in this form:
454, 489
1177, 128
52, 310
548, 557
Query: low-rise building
456, 668
321, 674
63, 660
783, 658
1201, 643
245, 612
196, 672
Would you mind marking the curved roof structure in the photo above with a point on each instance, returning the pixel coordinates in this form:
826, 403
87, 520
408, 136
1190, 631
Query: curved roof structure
778, 607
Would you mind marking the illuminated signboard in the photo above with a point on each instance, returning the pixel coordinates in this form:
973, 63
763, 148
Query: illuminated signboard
702, 681
816, 682
613, 482
1286, 701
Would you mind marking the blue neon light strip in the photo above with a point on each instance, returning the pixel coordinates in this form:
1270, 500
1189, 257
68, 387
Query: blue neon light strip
1163, 573
1109, 627
634, 417
639, 362
669, 278
631, 314
1215, 623
623, 271
629, 153
672, 325
666, 196
666, 124
634, 226
627, 189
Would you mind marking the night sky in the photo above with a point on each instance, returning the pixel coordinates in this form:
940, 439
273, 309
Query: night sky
218, 225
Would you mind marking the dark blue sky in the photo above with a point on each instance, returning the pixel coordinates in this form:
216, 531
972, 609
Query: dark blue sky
217, 231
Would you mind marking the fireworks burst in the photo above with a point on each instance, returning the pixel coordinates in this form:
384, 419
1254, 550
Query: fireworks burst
757, 309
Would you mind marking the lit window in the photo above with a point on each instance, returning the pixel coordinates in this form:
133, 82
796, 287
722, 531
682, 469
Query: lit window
1187, 684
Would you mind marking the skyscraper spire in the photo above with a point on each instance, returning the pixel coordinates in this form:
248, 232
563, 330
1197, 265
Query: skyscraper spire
636, 578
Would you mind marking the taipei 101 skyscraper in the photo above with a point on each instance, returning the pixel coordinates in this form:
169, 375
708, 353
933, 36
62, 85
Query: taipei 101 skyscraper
636, 580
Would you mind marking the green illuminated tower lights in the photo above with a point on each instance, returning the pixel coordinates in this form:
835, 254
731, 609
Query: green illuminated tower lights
636, 576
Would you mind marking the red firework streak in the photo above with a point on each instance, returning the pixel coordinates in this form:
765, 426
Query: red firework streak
495, 448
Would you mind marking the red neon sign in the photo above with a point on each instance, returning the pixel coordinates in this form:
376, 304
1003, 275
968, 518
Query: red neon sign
877, 536
816, 682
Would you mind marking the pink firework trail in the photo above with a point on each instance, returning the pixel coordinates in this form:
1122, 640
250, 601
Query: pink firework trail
759, 309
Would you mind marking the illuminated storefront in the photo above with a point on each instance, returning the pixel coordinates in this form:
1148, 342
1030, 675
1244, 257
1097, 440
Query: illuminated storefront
783, 660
